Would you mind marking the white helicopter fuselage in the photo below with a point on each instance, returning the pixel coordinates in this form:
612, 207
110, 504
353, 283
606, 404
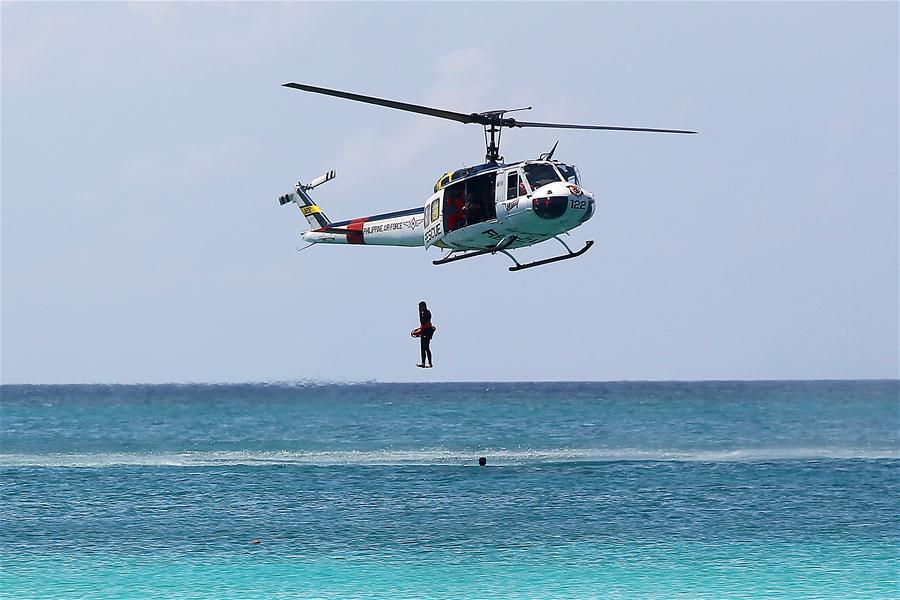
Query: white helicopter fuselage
514, 210
532, 218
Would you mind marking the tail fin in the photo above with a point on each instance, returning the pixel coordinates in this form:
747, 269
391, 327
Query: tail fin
308, 207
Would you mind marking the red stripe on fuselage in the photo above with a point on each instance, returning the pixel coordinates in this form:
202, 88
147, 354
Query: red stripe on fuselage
356, 225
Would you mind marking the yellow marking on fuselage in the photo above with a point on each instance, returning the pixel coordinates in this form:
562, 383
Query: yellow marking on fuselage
308, 210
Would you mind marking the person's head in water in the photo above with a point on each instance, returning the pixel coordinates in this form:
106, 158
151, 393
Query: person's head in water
482, 461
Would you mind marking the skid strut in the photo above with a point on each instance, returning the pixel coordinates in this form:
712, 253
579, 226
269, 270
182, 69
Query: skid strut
553, 259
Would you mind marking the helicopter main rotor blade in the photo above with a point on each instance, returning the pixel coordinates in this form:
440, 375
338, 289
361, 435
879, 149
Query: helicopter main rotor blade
514, 123
424, 110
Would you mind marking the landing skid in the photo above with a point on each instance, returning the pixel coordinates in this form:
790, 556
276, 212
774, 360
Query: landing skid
500, 247
506, 243
553, 259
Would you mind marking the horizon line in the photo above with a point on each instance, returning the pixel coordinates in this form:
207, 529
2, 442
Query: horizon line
322, 383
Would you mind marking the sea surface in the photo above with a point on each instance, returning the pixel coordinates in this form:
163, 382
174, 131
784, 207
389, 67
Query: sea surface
591, 490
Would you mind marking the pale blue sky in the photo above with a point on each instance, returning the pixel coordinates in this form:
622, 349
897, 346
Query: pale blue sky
144, 146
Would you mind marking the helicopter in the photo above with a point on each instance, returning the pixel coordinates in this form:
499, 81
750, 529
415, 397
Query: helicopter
489, 208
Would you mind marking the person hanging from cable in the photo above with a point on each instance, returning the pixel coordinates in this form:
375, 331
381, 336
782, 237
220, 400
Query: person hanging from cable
424, 332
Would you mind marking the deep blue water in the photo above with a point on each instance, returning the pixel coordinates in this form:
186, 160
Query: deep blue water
620, 490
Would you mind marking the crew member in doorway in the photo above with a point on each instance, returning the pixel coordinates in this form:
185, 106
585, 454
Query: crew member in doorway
472, 210
424, 332
453, 208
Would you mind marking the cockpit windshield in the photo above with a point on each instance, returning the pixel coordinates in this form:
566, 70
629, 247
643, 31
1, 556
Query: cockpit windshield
569, 173
539, 174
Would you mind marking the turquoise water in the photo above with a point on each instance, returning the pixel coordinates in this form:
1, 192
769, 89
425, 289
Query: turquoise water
618, 490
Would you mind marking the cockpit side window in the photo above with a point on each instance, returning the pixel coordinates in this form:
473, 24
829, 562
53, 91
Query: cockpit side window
512, 186
570, 173
539, 174
435, 210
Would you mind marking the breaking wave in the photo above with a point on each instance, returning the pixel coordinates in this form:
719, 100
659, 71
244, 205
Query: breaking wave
432, 457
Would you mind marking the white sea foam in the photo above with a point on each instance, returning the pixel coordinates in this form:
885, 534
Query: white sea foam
426, 457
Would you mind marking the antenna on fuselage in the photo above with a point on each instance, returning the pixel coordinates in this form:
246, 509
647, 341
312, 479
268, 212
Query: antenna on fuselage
549, 155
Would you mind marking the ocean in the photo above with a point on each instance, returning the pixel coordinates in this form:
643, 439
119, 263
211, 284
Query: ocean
591, 490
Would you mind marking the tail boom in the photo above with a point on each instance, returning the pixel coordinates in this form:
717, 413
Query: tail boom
400, 228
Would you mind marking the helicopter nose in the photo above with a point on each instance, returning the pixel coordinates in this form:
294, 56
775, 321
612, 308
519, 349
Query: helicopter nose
581, 200
589, 211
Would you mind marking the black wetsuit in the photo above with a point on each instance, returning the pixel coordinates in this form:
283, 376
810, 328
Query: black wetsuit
427, 332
